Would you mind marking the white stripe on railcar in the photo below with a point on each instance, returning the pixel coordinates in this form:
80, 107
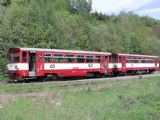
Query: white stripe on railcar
62, 66
111, 65
18, 66
139, 65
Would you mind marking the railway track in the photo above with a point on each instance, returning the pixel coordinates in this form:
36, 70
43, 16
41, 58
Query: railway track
80, 81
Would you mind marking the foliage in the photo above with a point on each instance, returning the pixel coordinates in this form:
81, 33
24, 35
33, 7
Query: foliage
80, 6
69, 24
5, 3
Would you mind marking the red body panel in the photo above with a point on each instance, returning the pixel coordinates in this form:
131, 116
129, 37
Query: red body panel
39, 64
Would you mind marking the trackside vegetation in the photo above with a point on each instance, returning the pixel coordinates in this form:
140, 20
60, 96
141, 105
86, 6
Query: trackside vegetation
71, 24
136, 99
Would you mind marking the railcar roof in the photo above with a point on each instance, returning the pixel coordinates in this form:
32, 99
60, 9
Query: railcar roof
136, 55
60, 50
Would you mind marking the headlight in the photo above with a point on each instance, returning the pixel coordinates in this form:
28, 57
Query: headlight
16, 67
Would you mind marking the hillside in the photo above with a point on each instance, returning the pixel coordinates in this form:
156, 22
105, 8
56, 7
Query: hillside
65, 24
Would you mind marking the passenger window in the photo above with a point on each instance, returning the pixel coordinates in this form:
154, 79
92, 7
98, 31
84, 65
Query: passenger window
70, 58
128, 60
24, 56
97, 59
139, 60
58, 58
134, 60
80, 59
48, 58
143, 60
89, 59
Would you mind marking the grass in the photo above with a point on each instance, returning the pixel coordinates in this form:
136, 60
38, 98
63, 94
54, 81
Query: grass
137, 99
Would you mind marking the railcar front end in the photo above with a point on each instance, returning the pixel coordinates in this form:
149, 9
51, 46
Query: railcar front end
17, 65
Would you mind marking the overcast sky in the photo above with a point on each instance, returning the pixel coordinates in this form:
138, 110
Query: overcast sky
141, 7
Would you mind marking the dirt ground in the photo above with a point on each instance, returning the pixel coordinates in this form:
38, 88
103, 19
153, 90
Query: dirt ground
4, 98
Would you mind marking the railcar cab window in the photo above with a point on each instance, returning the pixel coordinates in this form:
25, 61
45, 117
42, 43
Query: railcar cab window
14, 57
58, 58
80, 58
89, 59
70, 58
97, 59
48, 58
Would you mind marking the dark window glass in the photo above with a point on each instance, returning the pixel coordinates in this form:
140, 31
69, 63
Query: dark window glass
58, 58
128, 60
70, 58
151, 60
110, 58
143, 60
114, 59
134, 60
47, 58
80, 59
89, 59
97, 59
24, 56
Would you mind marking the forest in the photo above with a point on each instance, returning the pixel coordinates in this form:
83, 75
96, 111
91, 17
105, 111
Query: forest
71, 24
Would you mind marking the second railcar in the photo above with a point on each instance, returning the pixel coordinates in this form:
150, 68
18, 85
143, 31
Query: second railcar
134, 64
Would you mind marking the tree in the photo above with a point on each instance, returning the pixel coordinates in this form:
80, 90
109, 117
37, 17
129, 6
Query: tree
80, 6
5, 3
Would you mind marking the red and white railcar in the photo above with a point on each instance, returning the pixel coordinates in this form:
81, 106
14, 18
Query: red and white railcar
25, 63
130, 63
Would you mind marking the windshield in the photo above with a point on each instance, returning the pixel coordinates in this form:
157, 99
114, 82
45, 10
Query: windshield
14, 57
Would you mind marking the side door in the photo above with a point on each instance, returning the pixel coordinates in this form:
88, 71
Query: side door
39, 64
104, 64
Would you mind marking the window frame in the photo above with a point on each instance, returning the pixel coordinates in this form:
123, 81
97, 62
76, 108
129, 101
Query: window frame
63, 57
69, 54
51, 58
90, 59
84, 58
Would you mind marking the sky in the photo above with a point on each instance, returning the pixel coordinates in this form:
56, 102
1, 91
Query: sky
141, 7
